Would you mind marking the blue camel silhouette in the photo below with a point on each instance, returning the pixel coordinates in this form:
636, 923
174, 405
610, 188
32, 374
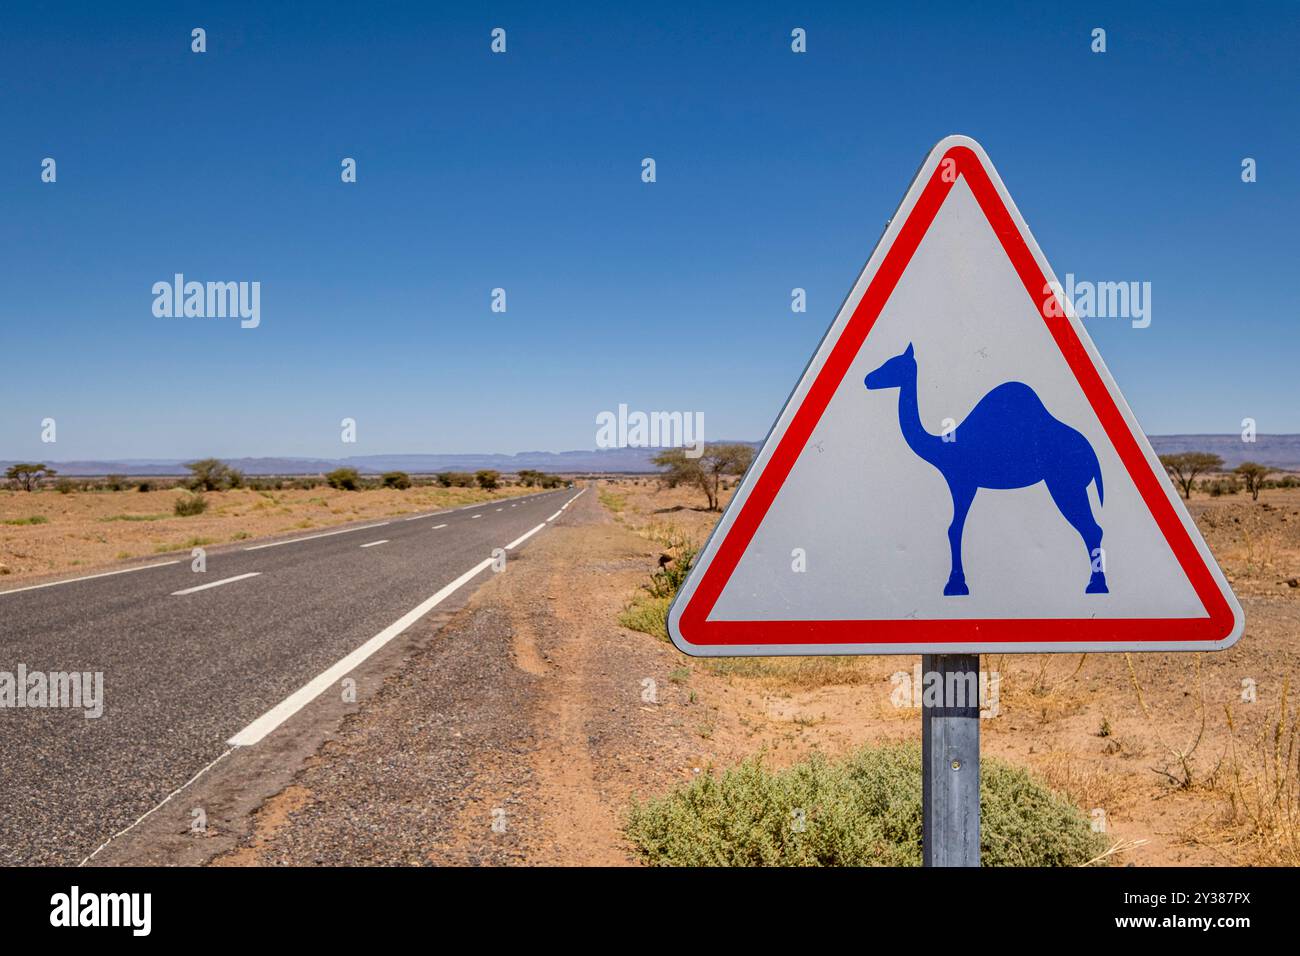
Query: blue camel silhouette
1009, 440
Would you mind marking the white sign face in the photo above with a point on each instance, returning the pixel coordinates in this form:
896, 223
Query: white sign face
956, 472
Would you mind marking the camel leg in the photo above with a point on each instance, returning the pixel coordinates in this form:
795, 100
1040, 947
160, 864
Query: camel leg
961, 499
1072, 501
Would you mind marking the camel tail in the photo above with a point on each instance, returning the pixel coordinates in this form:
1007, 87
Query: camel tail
1096, 476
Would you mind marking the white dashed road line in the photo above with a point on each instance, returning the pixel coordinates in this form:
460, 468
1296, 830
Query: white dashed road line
437, 526
313, 537
373, 543
217, 584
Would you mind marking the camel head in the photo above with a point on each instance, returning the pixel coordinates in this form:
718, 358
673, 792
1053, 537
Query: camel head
899, 369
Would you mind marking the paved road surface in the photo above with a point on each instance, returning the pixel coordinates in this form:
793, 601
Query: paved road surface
196, 662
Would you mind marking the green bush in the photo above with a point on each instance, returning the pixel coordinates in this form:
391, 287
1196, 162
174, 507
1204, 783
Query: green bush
144, 487
672, 574
345, 479
212, 474
189, 505
488, 479
65, 486
863, 811
115, 482
395, 479
647, 614
34, 519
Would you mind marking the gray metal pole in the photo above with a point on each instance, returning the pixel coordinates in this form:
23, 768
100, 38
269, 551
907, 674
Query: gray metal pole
950, 762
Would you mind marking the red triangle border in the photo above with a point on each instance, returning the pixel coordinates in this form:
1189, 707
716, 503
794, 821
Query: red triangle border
698, 630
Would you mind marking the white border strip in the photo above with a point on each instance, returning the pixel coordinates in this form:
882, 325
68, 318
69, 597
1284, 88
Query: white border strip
800, 392
273, 718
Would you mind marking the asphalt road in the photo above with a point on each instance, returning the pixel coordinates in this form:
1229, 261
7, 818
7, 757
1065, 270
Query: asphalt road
190, 670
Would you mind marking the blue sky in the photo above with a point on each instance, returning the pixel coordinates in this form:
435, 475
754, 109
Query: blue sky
522, 171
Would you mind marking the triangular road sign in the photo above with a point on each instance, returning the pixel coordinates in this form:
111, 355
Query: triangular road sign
955, 382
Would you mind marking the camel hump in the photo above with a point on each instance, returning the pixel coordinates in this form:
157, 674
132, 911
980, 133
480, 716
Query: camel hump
1016, 392
1014, 399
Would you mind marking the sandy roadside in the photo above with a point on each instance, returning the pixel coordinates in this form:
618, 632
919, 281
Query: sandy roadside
46, 535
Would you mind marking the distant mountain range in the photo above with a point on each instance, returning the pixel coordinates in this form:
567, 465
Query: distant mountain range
1281, 452
616, 460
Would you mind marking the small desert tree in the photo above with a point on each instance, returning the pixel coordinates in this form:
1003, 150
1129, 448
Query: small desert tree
706, 471
1253, 474
454, 479
529, 477
213, 474
28, 475
487, 479
1185, 466
395, 479
344, 479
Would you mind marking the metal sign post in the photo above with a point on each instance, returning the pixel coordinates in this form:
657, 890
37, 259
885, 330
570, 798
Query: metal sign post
950, 761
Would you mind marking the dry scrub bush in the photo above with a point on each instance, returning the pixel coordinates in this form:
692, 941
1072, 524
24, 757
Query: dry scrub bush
863, 811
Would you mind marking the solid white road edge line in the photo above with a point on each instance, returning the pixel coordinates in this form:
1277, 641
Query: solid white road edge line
524, 537
556, 515
166, 799
217, 584
90, 577
313, 537
373, 543
300, 698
